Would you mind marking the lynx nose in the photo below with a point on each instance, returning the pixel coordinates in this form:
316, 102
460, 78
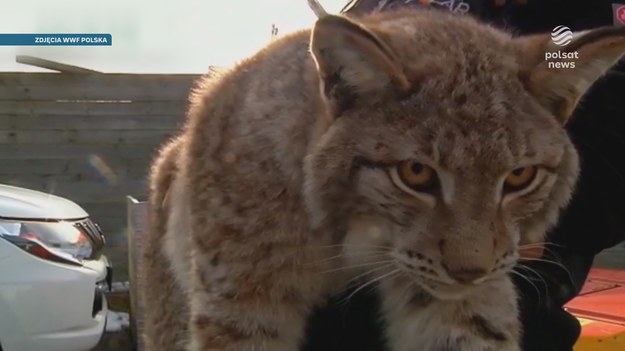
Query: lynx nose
466, 274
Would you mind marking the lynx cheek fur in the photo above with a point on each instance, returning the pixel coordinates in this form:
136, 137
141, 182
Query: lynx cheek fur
414, 149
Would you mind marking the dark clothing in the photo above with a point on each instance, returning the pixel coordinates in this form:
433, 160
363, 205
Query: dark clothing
594, 220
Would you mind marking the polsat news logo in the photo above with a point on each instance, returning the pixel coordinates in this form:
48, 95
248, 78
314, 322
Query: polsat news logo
561, 36
65, 39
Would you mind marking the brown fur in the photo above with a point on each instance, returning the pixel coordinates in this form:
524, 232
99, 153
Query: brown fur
282, 188
165, 308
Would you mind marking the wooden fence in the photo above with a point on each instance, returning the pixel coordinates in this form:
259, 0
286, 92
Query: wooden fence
88, 137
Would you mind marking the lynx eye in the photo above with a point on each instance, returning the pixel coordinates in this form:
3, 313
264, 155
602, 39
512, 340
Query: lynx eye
520, 178
417, 176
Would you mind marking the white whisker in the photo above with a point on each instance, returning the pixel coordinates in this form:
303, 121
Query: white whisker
407, 290
372, 281
344, 268
519, 274
363, 255
570, 276
386, 266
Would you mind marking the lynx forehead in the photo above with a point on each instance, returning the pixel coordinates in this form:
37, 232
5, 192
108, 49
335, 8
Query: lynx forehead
465, 104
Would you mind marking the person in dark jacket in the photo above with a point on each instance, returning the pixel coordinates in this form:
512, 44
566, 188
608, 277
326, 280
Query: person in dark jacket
594, 220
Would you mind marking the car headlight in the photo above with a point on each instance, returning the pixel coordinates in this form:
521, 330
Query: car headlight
56, 241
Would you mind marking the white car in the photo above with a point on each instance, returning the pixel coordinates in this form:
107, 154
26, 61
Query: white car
52, 274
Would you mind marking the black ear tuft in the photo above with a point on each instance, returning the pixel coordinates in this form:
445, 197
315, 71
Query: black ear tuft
353, 63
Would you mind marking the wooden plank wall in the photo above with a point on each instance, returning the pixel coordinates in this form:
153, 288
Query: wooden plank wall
88, 137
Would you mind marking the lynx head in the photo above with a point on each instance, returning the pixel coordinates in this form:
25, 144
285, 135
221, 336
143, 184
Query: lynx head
445, 148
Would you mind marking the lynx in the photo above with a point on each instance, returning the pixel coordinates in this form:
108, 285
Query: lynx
413, 152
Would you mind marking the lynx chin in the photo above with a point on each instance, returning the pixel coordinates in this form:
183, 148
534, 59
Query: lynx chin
413, 152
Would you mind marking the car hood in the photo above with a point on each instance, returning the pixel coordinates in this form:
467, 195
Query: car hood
20, 203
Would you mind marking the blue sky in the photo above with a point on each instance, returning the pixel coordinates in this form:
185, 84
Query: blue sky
153, 36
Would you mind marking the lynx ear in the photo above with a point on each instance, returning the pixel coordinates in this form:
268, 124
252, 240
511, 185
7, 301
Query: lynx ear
353, 64
559, 89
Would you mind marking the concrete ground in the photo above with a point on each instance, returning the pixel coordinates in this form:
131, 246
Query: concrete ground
120, 340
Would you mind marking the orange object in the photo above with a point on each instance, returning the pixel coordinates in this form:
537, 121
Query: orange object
600, 308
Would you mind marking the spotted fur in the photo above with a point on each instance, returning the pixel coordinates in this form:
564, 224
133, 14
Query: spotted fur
282, 188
